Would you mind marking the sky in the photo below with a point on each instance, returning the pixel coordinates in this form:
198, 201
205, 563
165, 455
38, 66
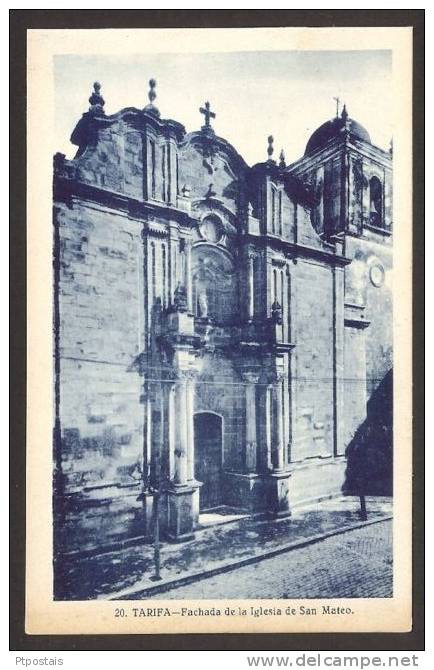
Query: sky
287, 94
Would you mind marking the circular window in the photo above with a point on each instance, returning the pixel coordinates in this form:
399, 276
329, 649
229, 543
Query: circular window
376, 274
212, 229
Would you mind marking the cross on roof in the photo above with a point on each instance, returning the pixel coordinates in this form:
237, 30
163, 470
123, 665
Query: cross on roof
208, 114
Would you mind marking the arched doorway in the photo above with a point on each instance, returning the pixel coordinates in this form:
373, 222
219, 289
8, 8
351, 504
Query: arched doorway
208, 458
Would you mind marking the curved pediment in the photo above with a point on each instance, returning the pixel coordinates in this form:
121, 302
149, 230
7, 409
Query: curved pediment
213, 171
209, 143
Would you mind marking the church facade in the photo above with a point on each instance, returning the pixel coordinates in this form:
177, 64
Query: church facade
219, 329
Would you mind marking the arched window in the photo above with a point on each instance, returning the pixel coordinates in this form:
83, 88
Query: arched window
375, 202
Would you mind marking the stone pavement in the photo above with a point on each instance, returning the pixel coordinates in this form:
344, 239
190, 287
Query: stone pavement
127, 573
355, 564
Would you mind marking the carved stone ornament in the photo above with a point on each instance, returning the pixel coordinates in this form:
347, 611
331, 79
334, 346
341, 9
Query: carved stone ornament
377, 275
276, 313
203, 304
180, 299
96, 100
211, 229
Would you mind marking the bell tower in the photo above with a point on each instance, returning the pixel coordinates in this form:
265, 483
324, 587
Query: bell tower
351, 179
351, 183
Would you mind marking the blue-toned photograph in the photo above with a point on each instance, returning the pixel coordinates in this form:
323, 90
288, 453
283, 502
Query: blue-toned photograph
223, 326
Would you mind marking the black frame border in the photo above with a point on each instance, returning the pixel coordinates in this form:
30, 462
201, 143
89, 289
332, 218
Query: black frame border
19, 22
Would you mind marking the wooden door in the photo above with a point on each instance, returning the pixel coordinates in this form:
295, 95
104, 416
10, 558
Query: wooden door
208, 458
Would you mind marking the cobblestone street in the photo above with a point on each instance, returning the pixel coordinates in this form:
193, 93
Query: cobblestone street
128, 572
357, 564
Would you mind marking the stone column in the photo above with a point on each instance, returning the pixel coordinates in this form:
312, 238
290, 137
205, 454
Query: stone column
181, 444
183, 495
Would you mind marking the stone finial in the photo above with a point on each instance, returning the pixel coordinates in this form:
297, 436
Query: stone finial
282, 163
210, 192
152, 94
96, 100
151, 108
270, 148
391, 147
344, 115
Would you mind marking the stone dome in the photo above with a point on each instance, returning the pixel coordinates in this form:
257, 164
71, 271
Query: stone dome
332, 129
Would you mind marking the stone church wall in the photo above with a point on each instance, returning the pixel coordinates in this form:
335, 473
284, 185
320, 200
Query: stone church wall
314, 361
369, 283
116, 162
101, 334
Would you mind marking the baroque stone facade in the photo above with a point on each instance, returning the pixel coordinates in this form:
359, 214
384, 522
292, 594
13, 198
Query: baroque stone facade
220, 329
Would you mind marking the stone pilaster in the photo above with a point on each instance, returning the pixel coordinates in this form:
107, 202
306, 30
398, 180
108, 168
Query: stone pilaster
250, 288
251, 439
146, 495
188, 277
278, 480
173, 261
277, 414
189, 396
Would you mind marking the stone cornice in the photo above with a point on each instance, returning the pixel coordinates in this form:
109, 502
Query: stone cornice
356, 323
86, 129
66, 189
294, 250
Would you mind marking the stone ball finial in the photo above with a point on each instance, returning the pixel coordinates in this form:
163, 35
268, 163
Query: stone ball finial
282, 162
96, 100
152, 93
151, 108
270, 148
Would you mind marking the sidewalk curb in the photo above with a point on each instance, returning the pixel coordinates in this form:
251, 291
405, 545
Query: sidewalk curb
227, 567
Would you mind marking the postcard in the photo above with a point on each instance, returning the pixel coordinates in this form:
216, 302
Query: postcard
219, 330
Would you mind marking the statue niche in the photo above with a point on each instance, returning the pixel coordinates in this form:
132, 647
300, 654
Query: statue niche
214, 285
